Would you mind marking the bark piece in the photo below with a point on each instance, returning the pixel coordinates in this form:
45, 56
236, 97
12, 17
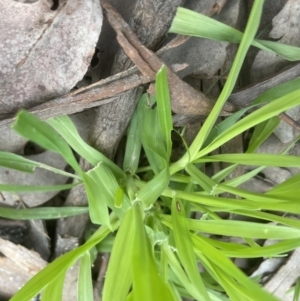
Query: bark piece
245, 96
285, 277
184, 99
37, 238
13, 230
42, 53
18, 265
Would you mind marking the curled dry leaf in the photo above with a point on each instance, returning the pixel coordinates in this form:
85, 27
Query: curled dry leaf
44, 52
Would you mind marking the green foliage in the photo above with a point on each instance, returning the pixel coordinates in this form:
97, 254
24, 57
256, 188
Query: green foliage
158, 248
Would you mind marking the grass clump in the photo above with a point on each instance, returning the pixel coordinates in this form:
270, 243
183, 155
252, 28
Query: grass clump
157, 249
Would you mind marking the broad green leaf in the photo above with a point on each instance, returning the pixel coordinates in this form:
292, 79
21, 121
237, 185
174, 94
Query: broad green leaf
85, 285
147, 283
97, 204
184, 247
118, 276
66, 128
30, 127
29, 188
164, 108
133, 146
54, 291
17, 162
187, 22
41, 213
38, 282
248, 36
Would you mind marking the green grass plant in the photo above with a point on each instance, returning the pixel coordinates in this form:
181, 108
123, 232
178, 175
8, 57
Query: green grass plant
158, 247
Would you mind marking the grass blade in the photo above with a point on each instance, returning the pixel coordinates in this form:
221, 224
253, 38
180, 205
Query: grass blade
107, 187
41, 213
268, 111
30, 127
54, 291
37, 283
66, 128
278, 91
17, 162
225, 124
254, 159
118, 277
254, 292
261, 132
180, 273
250, 31
187, 22
164, 108
149, 193
147, 286
97, 206
29, 188
133, 146
184, 247
151, 134
201, 179
240, 229
85, 286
